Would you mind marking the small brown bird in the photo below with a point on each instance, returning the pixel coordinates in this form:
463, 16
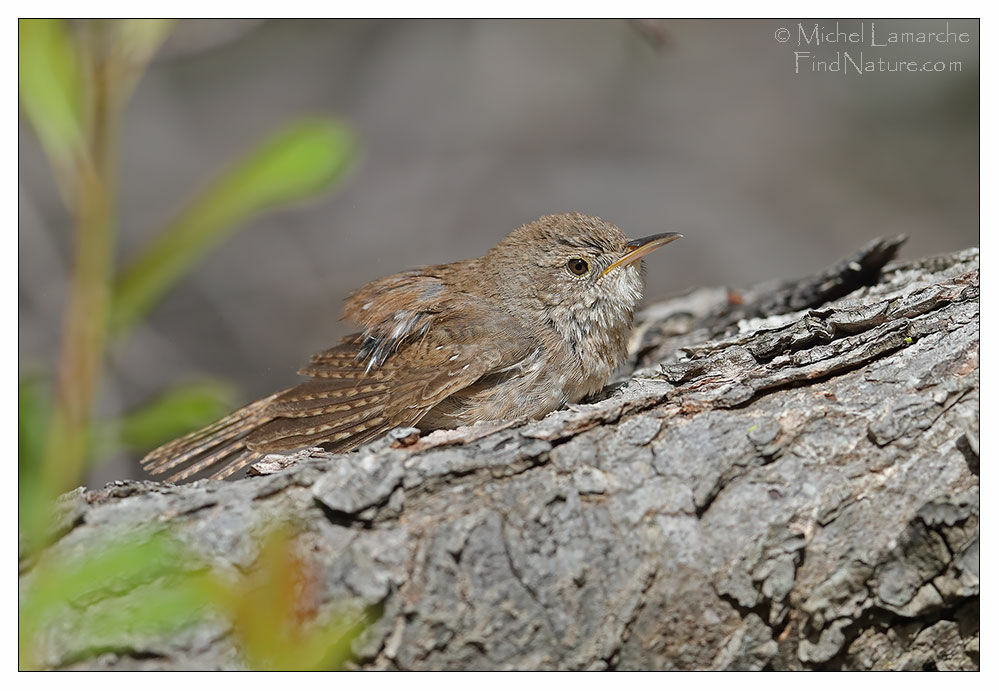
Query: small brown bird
540, 321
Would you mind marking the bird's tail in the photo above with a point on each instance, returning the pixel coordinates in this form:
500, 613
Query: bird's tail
221, 443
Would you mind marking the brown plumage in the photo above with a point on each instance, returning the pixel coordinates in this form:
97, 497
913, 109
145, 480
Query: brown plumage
540, 321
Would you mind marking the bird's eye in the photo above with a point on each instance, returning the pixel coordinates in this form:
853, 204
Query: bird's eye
577, 266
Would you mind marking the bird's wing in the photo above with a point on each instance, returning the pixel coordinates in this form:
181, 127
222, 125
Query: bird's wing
345, 404
349, 399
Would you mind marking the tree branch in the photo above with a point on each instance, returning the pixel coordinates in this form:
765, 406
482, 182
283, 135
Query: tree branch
787, 480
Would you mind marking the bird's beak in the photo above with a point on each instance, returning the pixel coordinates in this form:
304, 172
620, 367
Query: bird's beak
640, 247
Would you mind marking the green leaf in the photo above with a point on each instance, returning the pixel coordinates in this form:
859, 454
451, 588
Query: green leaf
112, 595
50, 90
300, 161
174, 413
134, 591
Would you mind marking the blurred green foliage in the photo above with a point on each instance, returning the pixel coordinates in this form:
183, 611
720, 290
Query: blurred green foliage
109, 571
33, 406
64, 67
50, 89
131, 593
173, 413
299, 161
275, 612
74, 81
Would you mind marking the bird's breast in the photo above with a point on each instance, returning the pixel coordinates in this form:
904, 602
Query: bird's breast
557, 372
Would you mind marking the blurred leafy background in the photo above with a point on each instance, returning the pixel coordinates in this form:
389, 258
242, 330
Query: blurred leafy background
75, 80
146, 145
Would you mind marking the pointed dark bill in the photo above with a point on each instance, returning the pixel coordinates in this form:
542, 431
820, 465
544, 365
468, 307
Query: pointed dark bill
641, 247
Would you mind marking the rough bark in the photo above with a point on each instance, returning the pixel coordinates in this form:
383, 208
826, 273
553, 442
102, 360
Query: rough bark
788, 479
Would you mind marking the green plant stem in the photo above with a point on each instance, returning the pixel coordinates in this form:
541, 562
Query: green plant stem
81, 360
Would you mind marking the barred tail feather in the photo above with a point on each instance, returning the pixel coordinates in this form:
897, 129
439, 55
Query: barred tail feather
344, 405
212, 445
236, 464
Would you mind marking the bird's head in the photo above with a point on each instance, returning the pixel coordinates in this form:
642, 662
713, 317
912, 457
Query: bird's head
571, 268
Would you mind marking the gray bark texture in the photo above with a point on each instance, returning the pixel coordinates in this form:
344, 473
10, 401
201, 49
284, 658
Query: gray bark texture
787, 478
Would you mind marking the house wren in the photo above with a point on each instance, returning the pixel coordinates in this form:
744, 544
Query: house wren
540, 321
